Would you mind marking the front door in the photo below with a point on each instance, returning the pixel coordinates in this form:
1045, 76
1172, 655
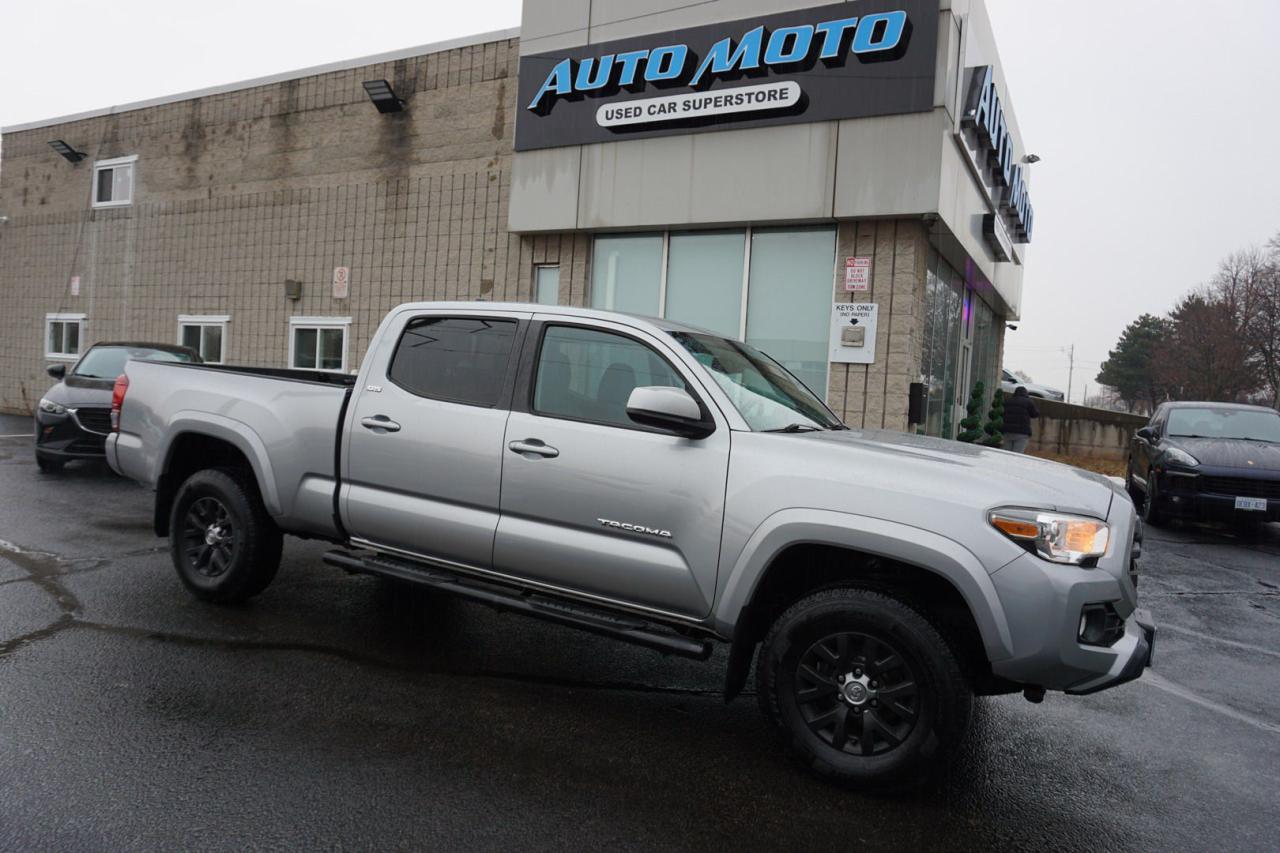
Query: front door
591, 501
424, 453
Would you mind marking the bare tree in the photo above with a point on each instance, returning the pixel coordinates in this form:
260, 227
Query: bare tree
1247, 285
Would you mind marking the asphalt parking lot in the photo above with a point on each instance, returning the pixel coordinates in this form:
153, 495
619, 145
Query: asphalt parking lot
344, 712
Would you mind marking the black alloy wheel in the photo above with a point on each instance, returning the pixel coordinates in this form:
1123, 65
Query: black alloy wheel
1151, 510
209, 538
857, 693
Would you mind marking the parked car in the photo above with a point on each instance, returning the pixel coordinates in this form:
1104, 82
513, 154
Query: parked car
665, 486
1209, 461
73, 418
1009, 383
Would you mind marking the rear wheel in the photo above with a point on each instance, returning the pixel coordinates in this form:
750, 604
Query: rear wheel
224, 545
862, 689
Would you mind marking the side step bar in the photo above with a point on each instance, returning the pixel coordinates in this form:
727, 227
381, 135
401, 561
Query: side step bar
538, 605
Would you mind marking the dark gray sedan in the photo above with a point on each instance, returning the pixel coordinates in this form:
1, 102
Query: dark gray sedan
74, 418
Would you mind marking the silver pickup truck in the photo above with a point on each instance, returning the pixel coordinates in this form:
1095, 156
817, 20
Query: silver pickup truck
665, 486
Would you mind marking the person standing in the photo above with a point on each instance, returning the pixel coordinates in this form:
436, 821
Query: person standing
1018, 412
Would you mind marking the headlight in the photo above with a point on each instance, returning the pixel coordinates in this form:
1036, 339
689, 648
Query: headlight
1054, 536
1180, 457
49, 407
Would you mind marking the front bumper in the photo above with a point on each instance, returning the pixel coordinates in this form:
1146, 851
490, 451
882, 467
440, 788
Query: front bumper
1211, 495
65, 437
1043, 603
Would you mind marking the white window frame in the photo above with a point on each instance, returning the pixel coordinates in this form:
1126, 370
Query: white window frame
343, 323
49, 320
99, 165
203, 321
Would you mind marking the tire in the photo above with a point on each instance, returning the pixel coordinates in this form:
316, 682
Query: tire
223, 543
1151, 512
48, 464
879, 640
1135, 494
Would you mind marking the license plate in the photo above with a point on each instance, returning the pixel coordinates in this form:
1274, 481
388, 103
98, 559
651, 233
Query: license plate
1252, 503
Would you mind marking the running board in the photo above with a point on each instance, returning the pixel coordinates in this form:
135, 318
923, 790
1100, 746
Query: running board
538, 605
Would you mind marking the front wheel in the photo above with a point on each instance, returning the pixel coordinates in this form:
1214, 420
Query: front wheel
49, 464
223, 543
862, 689
1152, 510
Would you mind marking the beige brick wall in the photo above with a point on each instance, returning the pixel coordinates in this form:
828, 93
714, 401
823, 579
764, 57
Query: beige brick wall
237, 192
874, 396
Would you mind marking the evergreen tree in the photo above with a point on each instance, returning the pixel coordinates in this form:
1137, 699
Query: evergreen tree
972, 423
995, 421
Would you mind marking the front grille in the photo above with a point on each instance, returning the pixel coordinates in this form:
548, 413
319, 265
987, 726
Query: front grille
1241, 487
95, 419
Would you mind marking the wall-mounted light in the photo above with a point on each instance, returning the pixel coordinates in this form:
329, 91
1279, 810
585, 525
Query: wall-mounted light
1031, 158
383, 96
66, 150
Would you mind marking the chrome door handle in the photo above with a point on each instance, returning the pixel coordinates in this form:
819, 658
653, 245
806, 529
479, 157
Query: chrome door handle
380, 423
533, 446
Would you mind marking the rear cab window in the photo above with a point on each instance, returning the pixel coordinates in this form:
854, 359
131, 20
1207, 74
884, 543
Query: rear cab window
455, 359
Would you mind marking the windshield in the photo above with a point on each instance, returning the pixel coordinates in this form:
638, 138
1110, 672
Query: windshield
763, 392
1225, 423
108, 362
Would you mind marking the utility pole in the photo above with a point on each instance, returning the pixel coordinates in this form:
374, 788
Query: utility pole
1071, 369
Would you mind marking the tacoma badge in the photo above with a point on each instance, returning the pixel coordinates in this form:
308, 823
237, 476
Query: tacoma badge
635, 528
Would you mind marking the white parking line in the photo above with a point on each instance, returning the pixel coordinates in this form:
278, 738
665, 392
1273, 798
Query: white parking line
1150, 679
19, 435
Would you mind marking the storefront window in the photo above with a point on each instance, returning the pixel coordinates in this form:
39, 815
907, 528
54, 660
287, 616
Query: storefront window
704, 280
787, 288
626, 273
960, 347
790, 299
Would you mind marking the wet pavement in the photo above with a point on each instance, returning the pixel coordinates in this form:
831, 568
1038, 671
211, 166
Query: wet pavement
345, 712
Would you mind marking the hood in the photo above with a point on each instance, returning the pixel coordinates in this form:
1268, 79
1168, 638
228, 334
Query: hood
75, 391
992, 477
1240, 453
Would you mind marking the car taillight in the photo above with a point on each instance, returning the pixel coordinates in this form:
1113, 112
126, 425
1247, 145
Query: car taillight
117, 400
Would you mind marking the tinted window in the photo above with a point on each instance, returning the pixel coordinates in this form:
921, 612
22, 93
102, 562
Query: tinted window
462, 359
108, 362
588, 375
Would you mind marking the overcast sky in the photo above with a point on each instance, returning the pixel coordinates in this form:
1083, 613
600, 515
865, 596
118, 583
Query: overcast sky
1156, 121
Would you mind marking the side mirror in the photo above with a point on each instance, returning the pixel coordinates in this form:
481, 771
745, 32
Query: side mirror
1146, 434
671, 410
57, 371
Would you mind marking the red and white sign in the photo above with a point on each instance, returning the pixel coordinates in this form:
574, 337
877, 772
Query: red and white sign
857, 274
341, 282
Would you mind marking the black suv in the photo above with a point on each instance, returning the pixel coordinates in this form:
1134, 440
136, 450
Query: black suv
74, 418
1207, 461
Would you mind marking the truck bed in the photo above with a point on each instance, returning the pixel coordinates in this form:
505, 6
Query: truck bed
286, 423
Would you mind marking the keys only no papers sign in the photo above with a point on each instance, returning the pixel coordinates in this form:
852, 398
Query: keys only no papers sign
853, 332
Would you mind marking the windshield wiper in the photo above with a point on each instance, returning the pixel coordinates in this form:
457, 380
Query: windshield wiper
796, 428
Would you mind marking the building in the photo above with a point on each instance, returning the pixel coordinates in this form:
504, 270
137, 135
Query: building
844, 186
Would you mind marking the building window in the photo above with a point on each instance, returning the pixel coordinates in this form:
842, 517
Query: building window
62, 335
771, 287
205, 333
113, 181
318, 343
546, 284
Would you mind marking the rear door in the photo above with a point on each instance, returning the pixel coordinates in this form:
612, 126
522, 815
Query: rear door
591, 501
424, 437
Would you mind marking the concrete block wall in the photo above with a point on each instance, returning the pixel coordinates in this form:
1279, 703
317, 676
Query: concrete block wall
239, 191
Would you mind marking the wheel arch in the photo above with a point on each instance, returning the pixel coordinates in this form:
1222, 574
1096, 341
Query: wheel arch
799, 551
199, 445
